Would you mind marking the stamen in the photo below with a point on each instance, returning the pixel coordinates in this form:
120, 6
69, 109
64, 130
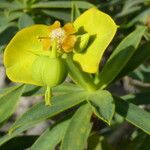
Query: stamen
58, 34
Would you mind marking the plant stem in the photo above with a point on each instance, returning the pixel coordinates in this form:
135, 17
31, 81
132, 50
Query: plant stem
48, 94
79, 77
97, 79
54, 49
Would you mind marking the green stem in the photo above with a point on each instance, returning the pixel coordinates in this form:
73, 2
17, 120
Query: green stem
48, 95
54, 49
97, 79
78, 76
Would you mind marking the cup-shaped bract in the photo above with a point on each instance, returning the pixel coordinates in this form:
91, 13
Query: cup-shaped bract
22, 51
30, 43
101, 29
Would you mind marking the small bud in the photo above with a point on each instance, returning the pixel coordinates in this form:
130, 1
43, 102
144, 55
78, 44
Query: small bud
82, 42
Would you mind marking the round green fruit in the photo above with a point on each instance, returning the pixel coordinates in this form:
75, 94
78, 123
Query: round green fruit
49, 71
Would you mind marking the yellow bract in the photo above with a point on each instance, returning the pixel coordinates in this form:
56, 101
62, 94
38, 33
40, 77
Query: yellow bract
21, 52
35, 41
64, 36
102, 29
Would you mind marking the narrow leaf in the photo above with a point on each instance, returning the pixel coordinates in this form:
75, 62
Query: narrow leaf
58, 90
129, 7
40, 112
103, 105
51, 137
138, 99
24, 21
62, 4
142, 17
59, 14
6, 26
133, 114
66, 88
8, 101
78, 129
120, 57
14, 16
75, 12
141, 54
78, 76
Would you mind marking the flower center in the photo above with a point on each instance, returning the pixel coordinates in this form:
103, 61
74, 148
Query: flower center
58, 34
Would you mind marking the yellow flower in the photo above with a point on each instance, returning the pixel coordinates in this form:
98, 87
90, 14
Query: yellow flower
35, 41
63, 35
31, 56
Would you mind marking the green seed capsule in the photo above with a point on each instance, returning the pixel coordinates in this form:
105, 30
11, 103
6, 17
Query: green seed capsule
49, 72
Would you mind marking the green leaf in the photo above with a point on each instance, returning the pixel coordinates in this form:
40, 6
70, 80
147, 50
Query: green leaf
62, 4
141, 54
133, 114
40, 112
24, 21
141, 74
141, 18
51, 137
6, 26
138, 99
28, 90
78, 129
103, 105
8, 102
59, 14
3, 19
63, 88
6, 90
75, 12
120, 57
14, 15
15, 6
129, 7
6, 18
32, 90
66, 88
78, 76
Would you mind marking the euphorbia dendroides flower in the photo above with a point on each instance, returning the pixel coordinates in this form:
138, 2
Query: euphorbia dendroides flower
34, 55
64, 36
